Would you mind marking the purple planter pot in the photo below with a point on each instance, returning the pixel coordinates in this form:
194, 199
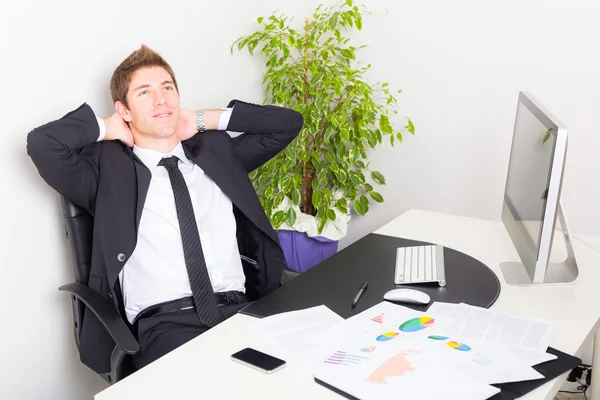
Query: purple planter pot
303, 252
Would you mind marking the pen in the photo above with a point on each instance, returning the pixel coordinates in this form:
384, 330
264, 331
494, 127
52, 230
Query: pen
362, 289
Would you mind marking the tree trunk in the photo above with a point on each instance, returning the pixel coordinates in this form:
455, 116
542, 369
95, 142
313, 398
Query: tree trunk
308, 175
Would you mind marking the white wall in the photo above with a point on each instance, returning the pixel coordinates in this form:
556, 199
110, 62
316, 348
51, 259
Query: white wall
460, 64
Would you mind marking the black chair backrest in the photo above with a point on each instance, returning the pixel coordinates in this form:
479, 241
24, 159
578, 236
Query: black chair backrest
79, 226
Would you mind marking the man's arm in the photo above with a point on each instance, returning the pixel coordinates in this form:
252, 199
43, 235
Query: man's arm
62, 152
267, 131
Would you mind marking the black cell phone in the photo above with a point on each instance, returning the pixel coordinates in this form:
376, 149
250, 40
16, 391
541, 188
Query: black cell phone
258, 360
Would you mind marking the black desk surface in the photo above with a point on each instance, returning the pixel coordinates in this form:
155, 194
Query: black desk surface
336, 280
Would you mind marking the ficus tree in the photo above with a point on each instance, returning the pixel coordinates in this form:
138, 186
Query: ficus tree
314, 70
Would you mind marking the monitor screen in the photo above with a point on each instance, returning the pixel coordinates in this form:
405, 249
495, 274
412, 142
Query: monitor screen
529, 172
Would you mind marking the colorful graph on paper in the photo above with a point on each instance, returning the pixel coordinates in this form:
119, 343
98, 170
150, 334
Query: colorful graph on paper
386, 336
416, 324
343, 358
399, 365
436, 337
378, 319
459, 346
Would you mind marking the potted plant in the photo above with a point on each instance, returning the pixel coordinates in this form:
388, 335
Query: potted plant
309, 190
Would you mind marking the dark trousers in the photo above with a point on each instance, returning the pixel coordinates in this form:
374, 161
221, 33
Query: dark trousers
161, 334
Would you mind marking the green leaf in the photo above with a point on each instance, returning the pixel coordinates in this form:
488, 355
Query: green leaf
291, 217
297, 180
410, 127
342, 205
259, 20
399, 136
296, 196
384, 124
322, 175
315, 185
268, 193
347, 53
278, 199
354, 154
316, 198
359, 207
349, 2
364, 200
344, 134
331, 215
357, 177
340, 150
278, 218
376, 196
286, 183
330, 156
378, 177
351, 192
322, 223
341, 176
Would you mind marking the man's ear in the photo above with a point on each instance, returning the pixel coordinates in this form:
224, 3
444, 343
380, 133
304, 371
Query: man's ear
123, 111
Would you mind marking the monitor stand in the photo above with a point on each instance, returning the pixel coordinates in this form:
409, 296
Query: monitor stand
557, 273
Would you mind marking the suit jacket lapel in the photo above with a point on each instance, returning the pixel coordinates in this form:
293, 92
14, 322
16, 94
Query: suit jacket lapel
143, 176
143, 183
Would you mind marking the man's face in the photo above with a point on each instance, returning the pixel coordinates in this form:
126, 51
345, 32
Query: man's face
153, 104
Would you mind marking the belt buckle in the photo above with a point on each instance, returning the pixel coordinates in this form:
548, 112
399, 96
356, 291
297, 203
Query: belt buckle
220, 298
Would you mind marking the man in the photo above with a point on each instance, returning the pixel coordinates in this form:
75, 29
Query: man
180, 239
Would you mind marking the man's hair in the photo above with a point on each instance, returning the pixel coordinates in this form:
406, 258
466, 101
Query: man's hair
141, 58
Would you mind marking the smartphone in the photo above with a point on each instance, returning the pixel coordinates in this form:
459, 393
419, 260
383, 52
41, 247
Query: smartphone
258, 360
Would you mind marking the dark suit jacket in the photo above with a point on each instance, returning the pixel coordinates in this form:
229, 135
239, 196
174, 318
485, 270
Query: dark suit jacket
108, 180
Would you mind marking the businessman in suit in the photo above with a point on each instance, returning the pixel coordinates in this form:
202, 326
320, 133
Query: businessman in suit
180, 241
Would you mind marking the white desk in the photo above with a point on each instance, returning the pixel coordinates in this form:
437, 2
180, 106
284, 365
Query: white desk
202, 367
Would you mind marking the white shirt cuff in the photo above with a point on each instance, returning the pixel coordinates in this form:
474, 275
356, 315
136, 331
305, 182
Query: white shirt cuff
102, 127
224, 120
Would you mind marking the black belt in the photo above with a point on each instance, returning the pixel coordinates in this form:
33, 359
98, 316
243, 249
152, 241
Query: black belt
187, 304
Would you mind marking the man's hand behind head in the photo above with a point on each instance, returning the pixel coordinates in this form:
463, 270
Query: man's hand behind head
187, 124
117, 129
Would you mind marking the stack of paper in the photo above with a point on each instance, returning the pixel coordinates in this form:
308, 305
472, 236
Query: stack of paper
296, 336
526, 338
452, 351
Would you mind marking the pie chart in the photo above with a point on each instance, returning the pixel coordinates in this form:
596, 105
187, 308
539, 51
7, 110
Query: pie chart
435, 337
416, 324
387, 336
459, 346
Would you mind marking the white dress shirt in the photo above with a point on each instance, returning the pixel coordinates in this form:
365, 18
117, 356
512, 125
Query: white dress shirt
156, 271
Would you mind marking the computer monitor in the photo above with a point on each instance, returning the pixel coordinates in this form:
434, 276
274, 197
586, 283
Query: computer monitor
531, 203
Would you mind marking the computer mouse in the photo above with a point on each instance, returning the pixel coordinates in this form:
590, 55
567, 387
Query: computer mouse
407, 296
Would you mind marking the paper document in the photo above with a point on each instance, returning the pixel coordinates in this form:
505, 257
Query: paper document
532, 358
390, 349
295, 334
475, 323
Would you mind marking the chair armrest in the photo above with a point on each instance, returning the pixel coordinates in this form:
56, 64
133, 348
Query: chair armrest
106, 314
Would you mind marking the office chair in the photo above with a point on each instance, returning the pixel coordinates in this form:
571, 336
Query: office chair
79, 227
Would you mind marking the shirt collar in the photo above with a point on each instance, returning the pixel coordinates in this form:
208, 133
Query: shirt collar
151, 158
